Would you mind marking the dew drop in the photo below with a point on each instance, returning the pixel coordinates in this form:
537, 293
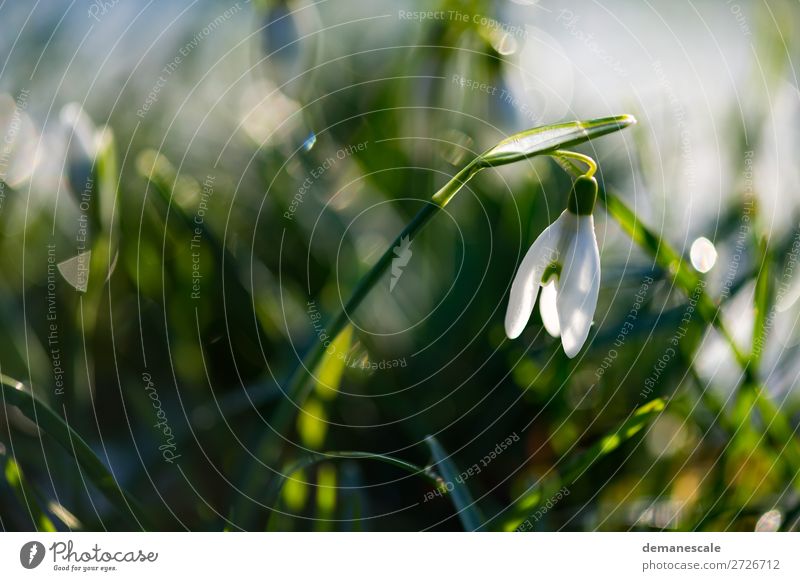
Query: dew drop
310, 141
703, 254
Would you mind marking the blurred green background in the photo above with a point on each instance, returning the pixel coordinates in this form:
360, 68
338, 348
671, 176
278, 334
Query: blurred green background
253, 160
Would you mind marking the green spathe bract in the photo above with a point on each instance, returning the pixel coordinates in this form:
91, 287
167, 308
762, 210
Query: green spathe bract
551, 137
533, 142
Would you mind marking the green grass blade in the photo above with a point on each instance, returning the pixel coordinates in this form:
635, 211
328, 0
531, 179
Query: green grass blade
640, 418
671, 262
48, 421
527, 503
26, 496
777, 425
762, 306
467, 510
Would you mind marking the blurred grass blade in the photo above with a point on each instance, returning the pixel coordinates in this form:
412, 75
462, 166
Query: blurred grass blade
467, 510
530, 501
640, 418
107, 171
27, 497
671, 262
48, 421
762, 306
331, 368
777, 425
551, 137
326, 497
666, 257
312, 421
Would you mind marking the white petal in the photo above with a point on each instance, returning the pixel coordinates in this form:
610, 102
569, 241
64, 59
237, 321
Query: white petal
526, 283
547, 308
578, 286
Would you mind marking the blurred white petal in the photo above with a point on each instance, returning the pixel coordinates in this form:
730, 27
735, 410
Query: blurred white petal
80, 132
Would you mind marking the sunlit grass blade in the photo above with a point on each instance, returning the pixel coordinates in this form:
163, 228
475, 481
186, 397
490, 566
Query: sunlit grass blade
777, 426
326, 496
13, 393
575, 468
26, 496
666, 257
312, 422
467, 510
640, 418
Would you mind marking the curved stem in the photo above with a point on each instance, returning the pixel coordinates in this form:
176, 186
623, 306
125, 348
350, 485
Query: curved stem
277, 486
585, 159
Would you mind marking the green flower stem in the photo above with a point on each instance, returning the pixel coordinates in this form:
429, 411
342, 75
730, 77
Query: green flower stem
576, 466
299, 386
585, 159
13, 393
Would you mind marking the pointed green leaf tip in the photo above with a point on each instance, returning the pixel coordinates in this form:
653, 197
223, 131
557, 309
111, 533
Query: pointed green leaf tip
551, 137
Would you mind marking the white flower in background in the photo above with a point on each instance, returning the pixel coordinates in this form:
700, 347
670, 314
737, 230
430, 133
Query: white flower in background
565, 261
81, 138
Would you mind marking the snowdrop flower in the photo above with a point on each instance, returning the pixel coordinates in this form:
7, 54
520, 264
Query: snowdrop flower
565, 262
